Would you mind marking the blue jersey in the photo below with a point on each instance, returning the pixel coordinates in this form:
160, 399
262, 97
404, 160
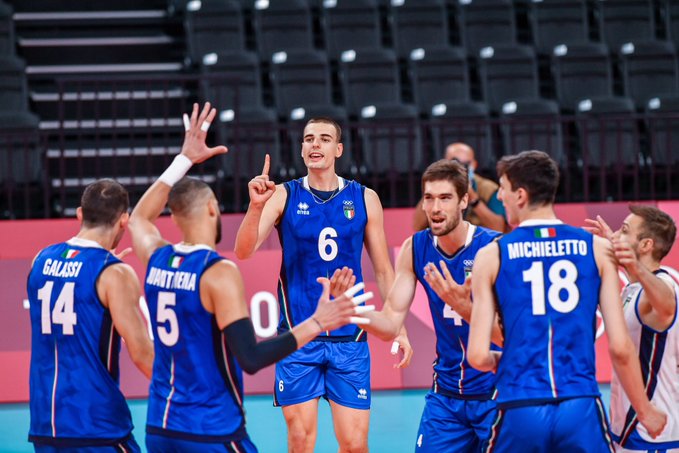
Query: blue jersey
196, 392
453, 376
547, 291
74, 395
318, 237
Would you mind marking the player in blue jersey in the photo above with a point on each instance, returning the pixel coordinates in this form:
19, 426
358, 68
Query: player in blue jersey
545, 281
459, 411
323, 221
82, 300
203, 333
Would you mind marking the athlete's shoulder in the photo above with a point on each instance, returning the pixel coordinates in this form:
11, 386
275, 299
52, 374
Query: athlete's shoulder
486, 234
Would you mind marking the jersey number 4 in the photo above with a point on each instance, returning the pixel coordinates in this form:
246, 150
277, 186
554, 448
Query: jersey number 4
562, 276
63, 308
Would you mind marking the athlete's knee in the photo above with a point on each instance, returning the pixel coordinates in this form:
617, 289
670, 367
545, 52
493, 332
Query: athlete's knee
301, 439
354, 445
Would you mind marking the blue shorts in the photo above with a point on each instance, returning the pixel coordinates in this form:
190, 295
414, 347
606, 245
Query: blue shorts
454, 424
339, 372
163, 444
577, 425
128, 446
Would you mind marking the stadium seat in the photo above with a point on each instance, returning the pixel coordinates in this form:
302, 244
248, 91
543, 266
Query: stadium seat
623, 21
661, 123
249, 138
466, 122
581, 71
390, 140
418, 23
6, 30
508, 73
14, 112
439, 75
369, 77
282, 25
350, 24
672, 21
213, 26
608, 132
486, 23
556, 22
344, 166
649, 69
232, 82
301, 78
533, 125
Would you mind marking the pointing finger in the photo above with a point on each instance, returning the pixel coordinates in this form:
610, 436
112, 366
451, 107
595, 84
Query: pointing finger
267, 163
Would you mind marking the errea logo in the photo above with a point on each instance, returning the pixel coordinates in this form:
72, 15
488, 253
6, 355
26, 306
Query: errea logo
363, 394
303, 208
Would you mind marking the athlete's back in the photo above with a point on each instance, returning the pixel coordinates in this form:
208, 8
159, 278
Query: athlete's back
74, 395
317, 237
547, 291
196, 391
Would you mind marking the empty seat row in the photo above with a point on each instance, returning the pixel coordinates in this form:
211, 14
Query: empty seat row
282, 25
440, 75
7, 43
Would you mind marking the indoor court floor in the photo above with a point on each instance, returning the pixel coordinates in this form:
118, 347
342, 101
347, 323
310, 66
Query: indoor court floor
393, 423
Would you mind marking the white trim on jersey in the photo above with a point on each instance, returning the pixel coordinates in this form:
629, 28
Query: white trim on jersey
168, 400
54, 390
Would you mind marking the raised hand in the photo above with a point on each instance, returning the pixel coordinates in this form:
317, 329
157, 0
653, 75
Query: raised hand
123, 253
341, 281
625, 256
260, 188
599, 227
332, 314
443, 284
196, 127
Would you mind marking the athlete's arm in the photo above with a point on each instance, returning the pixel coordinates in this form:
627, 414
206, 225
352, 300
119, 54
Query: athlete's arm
222, 293
485, 270
267, 202
386, 324
621, 349
146, 237
657, 304
376, 243
119, 290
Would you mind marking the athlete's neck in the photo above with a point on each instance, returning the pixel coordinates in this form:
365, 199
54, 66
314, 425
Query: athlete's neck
545, 212
454, 240
105, 237
325, 179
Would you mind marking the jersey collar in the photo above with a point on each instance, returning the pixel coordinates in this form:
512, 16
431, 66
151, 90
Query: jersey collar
186, 248
80, 242
340, 183
538, 222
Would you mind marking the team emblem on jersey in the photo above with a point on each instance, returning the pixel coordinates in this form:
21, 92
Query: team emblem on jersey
363, 394
70, 253
175, 261
349, 211
303, 208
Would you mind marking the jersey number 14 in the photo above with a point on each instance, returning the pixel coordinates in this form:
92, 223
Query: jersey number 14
62, 313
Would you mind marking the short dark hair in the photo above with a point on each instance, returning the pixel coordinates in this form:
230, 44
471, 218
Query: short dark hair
103, 202
535, 172
448, 170
183, 194
330, 121
658, 226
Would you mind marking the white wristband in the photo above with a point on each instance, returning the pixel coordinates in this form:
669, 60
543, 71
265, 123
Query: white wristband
176, 171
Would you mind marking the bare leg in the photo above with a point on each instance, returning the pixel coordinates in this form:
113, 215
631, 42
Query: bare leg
302, 421
351, 428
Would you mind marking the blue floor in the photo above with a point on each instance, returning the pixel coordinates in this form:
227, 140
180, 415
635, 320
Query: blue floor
393, 424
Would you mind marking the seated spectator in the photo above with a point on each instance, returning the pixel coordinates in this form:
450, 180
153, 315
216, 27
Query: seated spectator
484, 208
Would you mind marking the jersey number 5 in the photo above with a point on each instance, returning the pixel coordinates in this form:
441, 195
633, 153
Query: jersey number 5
168, 336
562, 276
63, 308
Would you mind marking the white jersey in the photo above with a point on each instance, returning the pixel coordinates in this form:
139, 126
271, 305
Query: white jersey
659, 357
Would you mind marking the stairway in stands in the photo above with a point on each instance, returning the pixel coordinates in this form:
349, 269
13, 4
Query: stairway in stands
118, 70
